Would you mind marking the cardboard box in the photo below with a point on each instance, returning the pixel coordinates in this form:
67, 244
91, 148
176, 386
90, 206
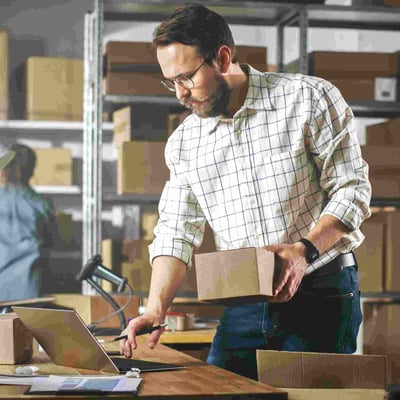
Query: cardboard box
392, 254
130, 258
371, 254
385, 185
148, 221
381, 334
235, 276
94, 308
287, 369
15, 340
256, 56
384, 134
3, 74
174, 120
53, 167
54, 89
339, 64
123, 55
335, 394
122, 119
381, 157
141, 168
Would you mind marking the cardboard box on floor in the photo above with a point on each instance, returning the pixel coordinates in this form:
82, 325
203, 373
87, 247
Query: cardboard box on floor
15, 340
141, 168
92, 308
235, 276
53, 167
3, 74
54, 89
287, 369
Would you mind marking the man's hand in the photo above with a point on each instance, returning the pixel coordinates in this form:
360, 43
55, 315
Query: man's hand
137, 324
293, 267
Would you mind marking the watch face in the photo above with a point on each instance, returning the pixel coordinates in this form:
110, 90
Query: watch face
312, 256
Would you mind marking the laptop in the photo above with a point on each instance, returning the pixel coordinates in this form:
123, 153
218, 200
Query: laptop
68, 342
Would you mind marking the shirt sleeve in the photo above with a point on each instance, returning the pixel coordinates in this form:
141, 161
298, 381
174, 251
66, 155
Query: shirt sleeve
181, 222
336, 152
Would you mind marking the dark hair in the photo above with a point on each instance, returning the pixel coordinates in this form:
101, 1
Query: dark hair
24, 160
194, 24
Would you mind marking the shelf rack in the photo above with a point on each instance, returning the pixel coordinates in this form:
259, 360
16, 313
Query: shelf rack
260, 13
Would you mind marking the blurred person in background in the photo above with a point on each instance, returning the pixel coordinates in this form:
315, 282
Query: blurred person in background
27, 230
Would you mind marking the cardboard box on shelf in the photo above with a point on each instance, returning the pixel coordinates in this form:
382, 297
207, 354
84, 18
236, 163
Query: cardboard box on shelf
53, 167
141, 168
92, 308
122, 119
148, 221
235, 276
384, 133
371, 254
174, 120
256, 56
15, 340
288, 369
392, 255
380, 334
381, 157
385, 184
125, 54
3, 74
130, 257
348, 64
54, 89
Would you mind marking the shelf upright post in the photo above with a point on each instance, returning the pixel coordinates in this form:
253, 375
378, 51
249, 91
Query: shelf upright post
92, 136
303, 40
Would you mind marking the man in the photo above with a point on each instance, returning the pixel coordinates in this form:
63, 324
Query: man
271, 161
27, 230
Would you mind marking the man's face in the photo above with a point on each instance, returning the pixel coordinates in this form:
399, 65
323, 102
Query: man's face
199, 86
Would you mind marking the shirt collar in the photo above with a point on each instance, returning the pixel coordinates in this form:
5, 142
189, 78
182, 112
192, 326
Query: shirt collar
257, 98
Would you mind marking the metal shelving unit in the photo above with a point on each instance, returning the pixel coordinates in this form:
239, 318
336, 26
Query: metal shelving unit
260, 13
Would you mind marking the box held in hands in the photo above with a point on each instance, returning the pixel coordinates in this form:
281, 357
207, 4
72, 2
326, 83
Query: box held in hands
235, 276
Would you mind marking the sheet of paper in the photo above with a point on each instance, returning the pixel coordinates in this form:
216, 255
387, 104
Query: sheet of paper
86, 383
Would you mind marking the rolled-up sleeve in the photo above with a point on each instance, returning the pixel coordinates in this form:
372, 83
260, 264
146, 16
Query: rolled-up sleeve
181, 223
337, 154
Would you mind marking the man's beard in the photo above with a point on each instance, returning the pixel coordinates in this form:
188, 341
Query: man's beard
214, 106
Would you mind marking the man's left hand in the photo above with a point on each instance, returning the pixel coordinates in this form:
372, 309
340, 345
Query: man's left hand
293, 267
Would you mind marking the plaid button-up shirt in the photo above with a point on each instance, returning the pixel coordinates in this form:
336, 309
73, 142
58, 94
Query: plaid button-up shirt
265, 176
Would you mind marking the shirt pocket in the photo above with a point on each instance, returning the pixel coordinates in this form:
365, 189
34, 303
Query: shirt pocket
287, 175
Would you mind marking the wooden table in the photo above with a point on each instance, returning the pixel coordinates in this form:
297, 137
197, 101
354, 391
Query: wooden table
197, 381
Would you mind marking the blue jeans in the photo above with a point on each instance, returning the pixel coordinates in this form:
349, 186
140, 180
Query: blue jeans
323, 316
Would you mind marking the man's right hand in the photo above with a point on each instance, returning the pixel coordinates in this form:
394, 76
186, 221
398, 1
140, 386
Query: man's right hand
135, 325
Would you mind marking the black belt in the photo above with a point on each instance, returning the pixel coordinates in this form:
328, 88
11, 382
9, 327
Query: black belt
336, 265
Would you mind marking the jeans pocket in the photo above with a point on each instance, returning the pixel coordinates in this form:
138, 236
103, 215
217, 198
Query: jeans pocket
323, 319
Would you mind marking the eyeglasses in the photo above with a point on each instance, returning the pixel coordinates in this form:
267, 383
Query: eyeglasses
185, 81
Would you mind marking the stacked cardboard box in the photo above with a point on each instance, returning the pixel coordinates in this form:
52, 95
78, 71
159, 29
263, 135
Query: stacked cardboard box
3, 75
381, 334
141, 168
132, 67
358, 75
130, 258
382, 153
378, 258
54, 89
53, 167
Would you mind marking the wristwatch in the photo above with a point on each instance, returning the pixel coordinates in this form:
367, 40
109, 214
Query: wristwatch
312, 252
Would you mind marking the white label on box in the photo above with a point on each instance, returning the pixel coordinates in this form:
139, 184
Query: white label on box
385, 89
